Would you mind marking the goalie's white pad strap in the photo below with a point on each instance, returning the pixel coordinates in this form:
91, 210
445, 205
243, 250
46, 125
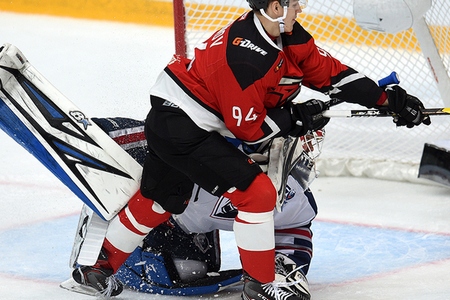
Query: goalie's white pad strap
283, 154
89, 238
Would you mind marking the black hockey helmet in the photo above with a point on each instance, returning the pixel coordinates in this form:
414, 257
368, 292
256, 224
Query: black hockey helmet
263, 4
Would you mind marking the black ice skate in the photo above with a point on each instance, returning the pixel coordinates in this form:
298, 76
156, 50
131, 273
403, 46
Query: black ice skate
277, 290
293, 277
99, 277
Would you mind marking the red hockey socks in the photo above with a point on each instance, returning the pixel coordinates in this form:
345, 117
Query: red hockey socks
130, 226
254, 228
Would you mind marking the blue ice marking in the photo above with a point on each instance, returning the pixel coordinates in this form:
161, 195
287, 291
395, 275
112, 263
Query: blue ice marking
344, 252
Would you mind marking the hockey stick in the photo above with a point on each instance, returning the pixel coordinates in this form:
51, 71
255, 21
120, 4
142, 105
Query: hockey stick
285, 153
383, 112
379, 112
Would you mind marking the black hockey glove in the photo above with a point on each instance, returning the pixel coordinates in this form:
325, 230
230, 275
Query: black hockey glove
408, 108
307, 116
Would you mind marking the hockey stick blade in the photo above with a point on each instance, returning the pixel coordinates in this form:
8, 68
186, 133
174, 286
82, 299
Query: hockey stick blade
379, 113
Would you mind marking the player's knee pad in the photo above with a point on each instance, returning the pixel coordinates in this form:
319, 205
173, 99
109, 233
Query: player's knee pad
260, 196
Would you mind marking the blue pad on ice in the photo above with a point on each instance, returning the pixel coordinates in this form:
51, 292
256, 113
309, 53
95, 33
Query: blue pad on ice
147, 272
172, 262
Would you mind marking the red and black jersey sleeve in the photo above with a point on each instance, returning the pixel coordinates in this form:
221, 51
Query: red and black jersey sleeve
324, 73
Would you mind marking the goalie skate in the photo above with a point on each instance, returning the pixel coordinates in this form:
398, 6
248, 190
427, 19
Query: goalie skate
72, 286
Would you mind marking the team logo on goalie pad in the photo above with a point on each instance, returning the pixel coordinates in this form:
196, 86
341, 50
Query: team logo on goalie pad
80, 118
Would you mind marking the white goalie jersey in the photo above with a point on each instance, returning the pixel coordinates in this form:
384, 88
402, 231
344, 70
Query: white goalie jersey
206, 212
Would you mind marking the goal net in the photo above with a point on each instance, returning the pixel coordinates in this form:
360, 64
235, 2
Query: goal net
364, 146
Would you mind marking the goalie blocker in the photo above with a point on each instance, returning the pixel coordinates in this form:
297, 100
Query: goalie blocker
435, 162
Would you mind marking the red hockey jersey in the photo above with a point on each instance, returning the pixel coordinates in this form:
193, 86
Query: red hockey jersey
240, 78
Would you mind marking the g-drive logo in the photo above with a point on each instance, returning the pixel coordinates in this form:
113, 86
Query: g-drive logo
245, 43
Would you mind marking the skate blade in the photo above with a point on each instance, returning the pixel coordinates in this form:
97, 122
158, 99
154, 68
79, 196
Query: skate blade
73, 286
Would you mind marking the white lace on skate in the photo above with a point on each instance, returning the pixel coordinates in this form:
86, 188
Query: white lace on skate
111, 285
279, 290
294, 279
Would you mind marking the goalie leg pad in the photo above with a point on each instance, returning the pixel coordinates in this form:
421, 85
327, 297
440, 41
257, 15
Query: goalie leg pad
89, 238
48, 125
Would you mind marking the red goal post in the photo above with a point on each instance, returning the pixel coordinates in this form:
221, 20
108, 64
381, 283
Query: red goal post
179, 27
371, 147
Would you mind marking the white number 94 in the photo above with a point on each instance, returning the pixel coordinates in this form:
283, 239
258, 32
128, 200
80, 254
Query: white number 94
237, 114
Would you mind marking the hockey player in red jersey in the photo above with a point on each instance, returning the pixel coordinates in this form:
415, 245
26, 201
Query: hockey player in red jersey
240, 84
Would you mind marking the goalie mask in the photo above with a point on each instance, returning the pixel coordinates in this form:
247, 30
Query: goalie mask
304, 170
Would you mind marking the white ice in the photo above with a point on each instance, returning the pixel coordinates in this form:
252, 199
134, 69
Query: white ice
373, 239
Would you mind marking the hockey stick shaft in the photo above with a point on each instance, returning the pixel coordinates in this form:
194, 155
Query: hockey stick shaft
391, 79
379, 113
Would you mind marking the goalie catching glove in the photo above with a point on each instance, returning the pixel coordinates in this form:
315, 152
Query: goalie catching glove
408, 108
307, 116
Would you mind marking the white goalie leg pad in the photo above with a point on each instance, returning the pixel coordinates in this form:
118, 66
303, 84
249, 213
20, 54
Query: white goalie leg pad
255, 232
40, 117
89, 238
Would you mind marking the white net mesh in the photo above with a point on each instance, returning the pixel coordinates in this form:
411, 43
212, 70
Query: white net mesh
358, 146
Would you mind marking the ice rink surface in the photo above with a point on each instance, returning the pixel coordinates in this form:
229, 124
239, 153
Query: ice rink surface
373, 239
